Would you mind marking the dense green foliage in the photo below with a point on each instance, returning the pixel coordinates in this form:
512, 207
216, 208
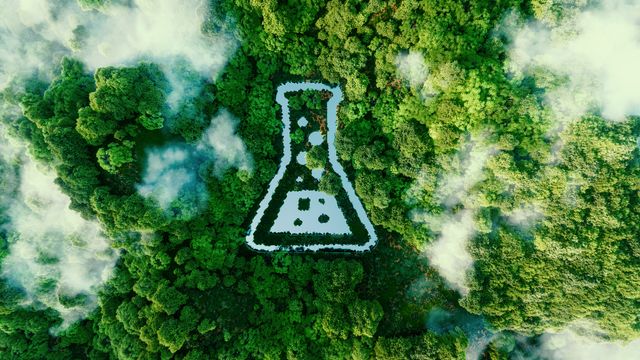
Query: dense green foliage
187, 286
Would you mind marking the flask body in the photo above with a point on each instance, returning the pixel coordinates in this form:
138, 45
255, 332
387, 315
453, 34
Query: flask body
310, 204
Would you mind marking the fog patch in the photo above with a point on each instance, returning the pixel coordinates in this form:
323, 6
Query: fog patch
221, 142
412, 68
59, 259
170, 33
10, 149
426, 81
171, 173
475, 328
455, 226
32, 41
525, 216
571, 344
174, 175
466, 170
161, 30
448, 253
586, 60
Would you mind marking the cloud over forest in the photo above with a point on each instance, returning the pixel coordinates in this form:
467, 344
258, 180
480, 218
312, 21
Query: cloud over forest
34, 35
455, 226
56, 257
585, 58
412, 68
569, 344
172, 173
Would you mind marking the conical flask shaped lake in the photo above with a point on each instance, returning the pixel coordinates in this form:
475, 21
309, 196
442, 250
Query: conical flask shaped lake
310, 203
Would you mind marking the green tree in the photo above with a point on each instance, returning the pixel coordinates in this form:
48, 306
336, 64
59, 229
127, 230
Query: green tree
330, 183
95, 127
317, 158
127, 93
365, 316
115, 156
168, 299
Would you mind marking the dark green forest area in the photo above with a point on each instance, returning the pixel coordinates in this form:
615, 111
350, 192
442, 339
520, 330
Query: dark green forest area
186, 286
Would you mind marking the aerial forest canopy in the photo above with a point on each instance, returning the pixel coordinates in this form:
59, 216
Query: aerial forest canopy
493, 146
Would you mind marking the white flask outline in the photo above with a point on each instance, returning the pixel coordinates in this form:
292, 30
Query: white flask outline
332, 113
